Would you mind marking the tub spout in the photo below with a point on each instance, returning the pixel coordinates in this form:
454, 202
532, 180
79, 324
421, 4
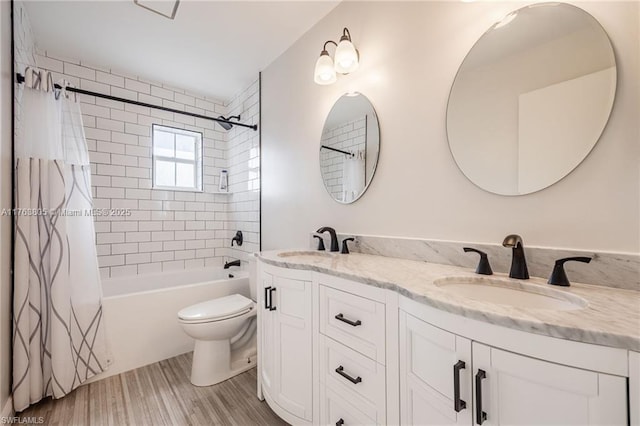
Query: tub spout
227, 265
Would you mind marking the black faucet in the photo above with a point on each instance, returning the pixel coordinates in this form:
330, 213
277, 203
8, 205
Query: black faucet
227, 265
518, 262
334, 237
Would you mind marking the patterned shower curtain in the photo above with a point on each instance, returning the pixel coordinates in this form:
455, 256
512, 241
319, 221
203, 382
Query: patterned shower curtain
58, 330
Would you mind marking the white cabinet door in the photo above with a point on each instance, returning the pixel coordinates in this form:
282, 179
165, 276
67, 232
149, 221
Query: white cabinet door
291, 345
433, 363
518, 390
267, 335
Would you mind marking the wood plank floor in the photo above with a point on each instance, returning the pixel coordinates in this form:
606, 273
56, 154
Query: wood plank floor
158, 394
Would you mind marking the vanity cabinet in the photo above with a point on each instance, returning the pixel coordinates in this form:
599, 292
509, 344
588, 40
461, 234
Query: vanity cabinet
447, 379
352, 341
337, 352
286, 343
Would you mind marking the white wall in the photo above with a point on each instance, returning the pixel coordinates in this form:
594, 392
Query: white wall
410, 53
5, 202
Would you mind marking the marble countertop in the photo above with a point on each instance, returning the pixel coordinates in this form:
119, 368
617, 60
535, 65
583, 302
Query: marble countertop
611, 316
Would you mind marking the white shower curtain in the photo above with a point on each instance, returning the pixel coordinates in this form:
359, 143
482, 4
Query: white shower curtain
58, 330
353, 174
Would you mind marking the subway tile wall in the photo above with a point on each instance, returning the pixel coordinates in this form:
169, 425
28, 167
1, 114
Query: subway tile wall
243, 161
166, 230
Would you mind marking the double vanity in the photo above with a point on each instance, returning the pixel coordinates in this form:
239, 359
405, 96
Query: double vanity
365, 339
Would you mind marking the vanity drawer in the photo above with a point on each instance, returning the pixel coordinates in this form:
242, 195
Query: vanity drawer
337, 409
353, 320
357, 376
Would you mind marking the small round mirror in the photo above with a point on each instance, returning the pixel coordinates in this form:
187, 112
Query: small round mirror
349, 148
531, 98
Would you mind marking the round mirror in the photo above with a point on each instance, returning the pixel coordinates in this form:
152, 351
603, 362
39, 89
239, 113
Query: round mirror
349, 148
531, 98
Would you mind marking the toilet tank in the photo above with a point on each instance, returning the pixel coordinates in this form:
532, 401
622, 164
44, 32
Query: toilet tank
253, 276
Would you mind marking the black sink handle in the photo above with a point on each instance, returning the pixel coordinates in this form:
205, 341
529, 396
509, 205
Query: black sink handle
559, 276
320, 242
484, 268
345, 248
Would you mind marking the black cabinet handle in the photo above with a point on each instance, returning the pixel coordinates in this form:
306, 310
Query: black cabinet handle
340, 371
271, 307
458, 404
481, 416
266, 297
340, 422
341, 317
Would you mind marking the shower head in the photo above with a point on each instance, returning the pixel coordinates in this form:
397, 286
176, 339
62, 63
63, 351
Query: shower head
227, 125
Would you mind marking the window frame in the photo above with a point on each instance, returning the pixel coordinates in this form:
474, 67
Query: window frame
197, 162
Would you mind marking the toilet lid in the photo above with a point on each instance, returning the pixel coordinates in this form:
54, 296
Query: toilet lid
222, 307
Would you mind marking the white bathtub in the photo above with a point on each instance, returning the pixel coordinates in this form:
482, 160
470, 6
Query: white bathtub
140, 312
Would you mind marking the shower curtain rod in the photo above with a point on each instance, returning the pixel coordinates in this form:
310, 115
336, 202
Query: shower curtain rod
338, 150
20, 80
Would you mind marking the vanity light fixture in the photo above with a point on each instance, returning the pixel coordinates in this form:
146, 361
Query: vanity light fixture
346, 60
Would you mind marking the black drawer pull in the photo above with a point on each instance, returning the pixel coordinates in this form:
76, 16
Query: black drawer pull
481, 416
266, 297
271, 307
340, 371
458, 404
341, 317
340, 422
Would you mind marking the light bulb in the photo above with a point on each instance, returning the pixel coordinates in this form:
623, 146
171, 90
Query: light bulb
324, 72
346, 57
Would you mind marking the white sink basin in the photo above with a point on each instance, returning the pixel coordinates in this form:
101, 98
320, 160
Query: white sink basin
307, 253
510, 293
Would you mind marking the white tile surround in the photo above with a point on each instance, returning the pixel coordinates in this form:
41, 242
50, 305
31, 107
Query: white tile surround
351, 137
243, 162
166, 230
619, 270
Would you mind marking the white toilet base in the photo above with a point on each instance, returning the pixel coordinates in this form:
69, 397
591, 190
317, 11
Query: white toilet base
213, 362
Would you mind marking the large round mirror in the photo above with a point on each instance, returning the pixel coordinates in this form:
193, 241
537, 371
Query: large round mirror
349, 148
531, 98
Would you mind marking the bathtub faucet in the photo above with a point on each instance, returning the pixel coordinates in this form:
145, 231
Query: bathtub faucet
227, 265
238, 238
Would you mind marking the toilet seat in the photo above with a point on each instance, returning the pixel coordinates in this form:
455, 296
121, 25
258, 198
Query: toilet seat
216, 309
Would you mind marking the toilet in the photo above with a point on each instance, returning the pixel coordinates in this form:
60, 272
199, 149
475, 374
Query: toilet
224, 330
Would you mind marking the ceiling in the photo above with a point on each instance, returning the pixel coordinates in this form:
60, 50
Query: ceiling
214, 48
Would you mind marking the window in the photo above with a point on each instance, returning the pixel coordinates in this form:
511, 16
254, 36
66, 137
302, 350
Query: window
177, 159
